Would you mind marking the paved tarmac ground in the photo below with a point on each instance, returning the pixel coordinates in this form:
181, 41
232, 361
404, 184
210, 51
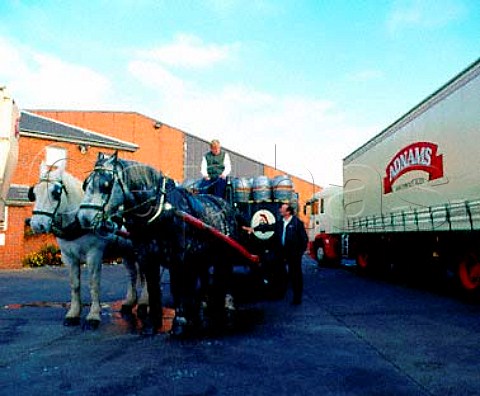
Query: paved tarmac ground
351, 336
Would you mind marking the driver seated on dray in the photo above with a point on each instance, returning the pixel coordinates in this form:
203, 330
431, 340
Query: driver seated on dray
215, 168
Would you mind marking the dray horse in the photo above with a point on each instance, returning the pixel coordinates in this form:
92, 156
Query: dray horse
170, 227
57, 198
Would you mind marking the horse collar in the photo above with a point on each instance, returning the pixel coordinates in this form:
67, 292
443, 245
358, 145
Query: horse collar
162, 204
71, 232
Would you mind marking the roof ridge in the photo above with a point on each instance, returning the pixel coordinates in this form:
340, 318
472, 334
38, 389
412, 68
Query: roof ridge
83, 130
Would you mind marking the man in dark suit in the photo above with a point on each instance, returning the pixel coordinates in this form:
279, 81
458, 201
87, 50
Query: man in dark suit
291, 239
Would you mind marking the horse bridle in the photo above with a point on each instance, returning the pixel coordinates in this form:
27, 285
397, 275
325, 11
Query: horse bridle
31, 197
100, 208
127, 194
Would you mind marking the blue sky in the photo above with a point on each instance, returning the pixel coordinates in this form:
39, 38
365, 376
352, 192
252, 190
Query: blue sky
296, 84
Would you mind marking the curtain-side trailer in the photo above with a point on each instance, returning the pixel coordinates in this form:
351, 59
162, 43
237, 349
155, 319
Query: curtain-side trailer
410, 202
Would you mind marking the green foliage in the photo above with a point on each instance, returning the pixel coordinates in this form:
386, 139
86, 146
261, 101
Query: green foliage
47, 255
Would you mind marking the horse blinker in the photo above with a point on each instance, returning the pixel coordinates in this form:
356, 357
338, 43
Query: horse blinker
57, 192
31, 194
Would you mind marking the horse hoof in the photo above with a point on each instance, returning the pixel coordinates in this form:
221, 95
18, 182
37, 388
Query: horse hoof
126, 310
142, 311
148, 331
179, 327
149, 327
71, 322
92, 324
229, 319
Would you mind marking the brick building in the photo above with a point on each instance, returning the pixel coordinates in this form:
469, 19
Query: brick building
79, 136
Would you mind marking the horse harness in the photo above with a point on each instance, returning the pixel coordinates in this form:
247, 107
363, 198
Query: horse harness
106, 188
69, 232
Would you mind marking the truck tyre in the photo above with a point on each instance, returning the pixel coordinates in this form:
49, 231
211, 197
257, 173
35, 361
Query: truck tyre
469, 272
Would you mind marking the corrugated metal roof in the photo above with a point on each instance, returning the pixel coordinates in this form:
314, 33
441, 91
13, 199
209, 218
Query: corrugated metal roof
37, 126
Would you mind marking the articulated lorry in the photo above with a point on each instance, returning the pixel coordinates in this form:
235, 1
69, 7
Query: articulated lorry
9, 135
410, 200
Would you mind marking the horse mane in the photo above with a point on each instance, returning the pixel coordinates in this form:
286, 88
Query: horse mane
140, 176
73, 187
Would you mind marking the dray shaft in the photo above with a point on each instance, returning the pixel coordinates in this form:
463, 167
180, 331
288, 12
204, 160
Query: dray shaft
187, 218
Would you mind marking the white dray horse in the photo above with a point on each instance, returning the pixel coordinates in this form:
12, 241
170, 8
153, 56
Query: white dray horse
57, 197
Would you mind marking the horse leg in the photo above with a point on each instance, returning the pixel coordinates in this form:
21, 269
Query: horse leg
222, 295
154, 317
131, 297
95, 266
177, 286
202, 296
142, 306
72, 318
187, 302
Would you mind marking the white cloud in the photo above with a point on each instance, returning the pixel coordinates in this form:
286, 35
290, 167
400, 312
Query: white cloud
41, 80
190, 52
423, 13
310, 135
153, 75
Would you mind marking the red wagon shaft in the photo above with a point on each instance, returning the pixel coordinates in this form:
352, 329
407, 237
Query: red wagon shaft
187, 218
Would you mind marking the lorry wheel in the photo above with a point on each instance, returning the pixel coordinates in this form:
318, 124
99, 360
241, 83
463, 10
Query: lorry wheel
469, 272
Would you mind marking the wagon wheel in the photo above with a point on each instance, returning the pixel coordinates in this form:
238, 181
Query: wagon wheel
469, 272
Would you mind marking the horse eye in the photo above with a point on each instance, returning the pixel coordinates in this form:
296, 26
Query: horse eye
57, 192
105, 187
31, 194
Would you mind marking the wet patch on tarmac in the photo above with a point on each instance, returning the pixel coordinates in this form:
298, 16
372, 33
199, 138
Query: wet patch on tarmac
37, 304
116, 320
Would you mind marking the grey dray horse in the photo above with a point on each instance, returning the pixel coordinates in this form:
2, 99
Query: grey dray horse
57, 197
155, 212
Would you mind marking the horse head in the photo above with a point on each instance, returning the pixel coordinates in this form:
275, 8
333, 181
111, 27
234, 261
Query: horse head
56, 196
103, 192
124, 189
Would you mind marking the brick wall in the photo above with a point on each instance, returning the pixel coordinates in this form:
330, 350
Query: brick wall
31, 154
162, 148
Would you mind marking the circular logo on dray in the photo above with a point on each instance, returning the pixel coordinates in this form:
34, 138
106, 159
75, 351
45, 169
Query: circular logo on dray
263, 222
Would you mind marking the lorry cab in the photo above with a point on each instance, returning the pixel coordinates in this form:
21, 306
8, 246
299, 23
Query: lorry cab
325, 226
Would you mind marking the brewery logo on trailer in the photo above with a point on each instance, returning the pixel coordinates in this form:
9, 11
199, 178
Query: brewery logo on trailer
417, 156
